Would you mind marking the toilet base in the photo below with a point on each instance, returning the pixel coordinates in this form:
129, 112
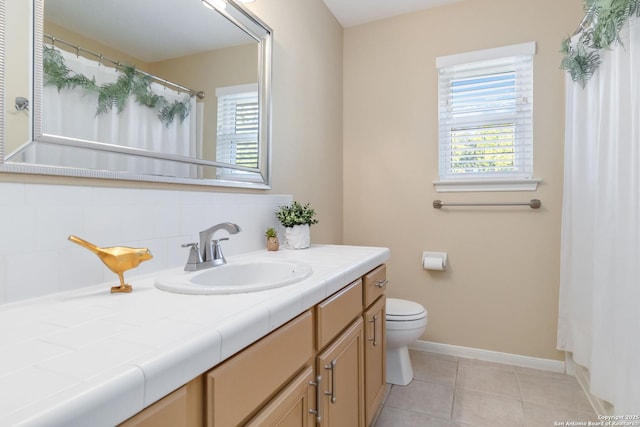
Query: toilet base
399, 369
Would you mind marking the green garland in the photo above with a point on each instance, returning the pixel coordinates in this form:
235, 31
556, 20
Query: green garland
130, 83
605, 19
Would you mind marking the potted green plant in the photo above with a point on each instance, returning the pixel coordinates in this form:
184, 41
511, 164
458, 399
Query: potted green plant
297, 218
272, 239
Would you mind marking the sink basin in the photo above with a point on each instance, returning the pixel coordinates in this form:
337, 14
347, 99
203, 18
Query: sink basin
236, 277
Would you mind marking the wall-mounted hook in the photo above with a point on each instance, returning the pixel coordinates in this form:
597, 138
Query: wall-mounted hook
22, 103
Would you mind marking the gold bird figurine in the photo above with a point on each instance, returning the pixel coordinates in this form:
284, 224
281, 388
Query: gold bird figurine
117, 258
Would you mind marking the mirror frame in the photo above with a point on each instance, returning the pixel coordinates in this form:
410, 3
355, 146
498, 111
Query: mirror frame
236, 14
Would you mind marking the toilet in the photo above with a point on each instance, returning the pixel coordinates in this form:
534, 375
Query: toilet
405, 323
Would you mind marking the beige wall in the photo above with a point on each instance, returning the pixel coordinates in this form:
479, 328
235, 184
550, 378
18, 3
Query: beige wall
307, 108
307, 114
501, 290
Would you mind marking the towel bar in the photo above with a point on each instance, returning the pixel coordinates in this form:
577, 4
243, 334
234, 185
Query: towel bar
533, 204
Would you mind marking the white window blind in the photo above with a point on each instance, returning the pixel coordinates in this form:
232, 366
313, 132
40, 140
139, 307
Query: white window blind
485, 117
238, 126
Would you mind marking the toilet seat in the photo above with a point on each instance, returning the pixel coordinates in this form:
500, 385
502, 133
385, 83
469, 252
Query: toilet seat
399, 310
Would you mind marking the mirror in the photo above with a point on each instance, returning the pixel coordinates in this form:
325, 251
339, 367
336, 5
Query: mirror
153, 90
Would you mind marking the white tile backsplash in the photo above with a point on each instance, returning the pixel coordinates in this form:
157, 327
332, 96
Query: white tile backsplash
36, 258
18, 228
3, 280
32, 274
12, 194
53, 223
62, 195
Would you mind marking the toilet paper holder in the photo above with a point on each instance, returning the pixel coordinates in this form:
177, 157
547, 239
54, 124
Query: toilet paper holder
434, 260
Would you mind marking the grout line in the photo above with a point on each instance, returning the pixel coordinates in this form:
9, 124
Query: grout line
524, 412
519, 387
455, 388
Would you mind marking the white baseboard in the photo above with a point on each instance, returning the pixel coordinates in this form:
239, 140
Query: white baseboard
490, 356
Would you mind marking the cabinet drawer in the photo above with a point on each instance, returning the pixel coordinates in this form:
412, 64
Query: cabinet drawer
238, 387
375, 284
336, 312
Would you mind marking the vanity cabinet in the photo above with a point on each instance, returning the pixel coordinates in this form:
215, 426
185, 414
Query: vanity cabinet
326, 368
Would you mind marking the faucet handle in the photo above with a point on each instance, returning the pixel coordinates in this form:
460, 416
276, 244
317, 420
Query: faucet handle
216, 250
195, 257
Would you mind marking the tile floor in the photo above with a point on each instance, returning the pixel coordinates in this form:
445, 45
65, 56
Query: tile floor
456, 392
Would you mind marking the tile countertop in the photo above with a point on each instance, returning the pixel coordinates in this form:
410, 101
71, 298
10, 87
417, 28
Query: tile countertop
89, 357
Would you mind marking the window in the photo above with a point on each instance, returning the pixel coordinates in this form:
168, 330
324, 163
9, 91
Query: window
485, 117
238, 126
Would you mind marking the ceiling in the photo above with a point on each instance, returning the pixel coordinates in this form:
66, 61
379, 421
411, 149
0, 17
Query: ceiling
355, 12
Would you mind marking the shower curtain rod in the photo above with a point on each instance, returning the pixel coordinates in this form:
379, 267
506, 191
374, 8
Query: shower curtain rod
101, 58
582, 26
586, 22
533, 204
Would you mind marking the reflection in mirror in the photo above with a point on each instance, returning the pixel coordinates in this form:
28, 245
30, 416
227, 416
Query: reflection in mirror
161, 90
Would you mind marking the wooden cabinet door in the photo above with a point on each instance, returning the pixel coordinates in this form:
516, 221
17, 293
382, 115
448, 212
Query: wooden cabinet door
341, 368
374, 357
292, 407
182, 408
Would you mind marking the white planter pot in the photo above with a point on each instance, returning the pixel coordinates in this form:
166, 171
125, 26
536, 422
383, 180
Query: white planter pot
298, 236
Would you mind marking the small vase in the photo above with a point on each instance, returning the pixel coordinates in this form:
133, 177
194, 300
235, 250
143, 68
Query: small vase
272, 244
298, 236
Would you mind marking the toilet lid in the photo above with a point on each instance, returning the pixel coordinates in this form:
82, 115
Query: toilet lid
403, 310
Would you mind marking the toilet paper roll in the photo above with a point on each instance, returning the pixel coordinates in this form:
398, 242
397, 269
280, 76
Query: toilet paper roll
434, 261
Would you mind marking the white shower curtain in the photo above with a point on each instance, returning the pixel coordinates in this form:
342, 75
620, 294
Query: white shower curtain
72, 113
599, 313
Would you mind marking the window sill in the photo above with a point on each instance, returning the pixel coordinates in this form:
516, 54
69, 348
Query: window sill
499, 184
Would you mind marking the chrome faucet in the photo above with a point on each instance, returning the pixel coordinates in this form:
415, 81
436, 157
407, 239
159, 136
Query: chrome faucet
208, 253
